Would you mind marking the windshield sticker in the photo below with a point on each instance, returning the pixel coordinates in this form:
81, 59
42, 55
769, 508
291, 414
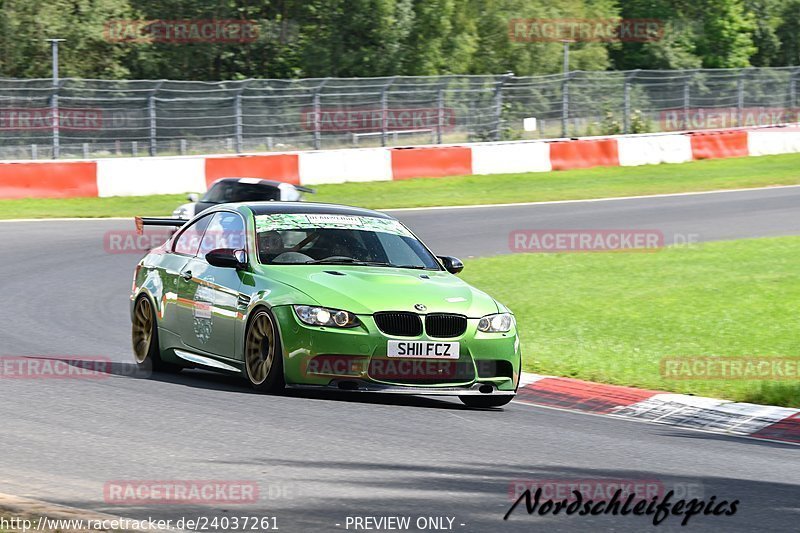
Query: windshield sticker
281, 222
334, 219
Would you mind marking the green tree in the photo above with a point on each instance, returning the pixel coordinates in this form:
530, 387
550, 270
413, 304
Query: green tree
727, 37
789, 34
87, 52
767, 18
674, 48
356, 37
497, 52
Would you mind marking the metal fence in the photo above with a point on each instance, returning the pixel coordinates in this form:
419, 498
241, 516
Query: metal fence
101, 118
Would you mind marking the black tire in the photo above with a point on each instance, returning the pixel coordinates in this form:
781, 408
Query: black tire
486, 401
263, 356
144, 338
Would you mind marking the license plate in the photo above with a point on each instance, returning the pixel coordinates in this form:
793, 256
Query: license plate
423, 349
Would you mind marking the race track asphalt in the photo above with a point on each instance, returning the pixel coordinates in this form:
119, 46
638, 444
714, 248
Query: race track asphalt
319, 458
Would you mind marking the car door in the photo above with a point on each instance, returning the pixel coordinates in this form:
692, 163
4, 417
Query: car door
213, 291
184, 247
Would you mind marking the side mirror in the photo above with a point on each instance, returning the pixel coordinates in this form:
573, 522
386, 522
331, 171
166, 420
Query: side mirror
227, 258
451, 264
193, 197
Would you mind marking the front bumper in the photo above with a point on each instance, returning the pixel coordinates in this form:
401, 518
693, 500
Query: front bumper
364, 348
357, 385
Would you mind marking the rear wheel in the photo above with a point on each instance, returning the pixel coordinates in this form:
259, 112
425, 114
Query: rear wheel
486, 401
144, 337
263, 358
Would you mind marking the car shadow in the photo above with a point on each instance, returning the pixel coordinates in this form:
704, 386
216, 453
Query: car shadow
205, 379
480, 492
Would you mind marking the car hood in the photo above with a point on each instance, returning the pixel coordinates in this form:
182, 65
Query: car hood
366, 290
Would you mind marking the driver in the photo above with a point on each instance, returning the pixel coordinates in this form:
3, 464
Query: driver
270, 245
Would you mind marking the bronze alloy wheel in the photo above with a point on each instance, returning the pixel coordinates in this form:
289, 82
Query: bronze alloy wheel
262, 356
144, 337
142, 330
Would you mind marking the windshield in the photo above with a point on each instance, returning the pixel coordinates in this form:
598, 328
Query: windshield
298, 239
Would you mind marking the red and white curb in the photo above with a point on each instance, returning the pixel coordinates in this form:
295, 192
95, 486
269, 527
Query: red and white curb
682, 410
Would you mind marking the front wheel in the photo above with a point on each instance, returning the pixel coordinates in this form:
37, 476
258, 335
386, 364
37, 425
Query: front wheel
263, 358
486, 401
144, 337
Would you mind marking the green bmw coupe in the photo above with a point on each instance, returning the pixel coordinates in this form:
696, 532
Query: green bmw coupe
319, 295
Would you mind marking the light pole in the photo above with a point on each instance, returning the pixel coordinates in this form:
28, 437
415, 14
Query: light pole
565, 91
54, 100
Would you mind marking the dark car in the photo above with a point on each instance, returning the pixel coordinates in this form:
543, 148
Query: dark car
236, 190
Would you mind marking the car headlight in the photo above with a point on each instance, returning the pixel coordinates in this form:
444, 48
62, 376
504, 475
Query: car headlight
497, 323
323, 316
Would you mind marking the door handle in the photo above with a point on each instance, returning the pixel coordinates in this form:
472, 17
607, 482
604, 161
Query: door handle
187, 275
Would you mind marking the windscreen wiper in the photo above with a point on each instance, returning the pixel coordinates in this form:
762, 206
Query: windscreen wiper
351, 261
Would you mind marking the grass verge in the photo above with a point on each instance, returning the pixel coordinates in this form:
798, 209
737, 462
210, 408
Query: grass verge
117, 206
470, 190
612, 317
602, 182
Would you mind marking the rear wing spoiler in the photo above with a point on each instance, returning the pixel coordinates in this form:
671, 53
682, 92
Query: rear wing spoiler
308, 190
141, 222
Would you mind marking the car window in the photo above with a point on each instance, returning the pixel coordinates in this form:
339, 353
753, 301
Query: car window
225, 192
226, 230
188, 241
248, 192
219, 193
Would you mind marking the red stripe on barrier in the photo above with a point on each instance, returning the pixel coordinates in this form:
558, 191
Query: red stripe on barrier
584, 154
719, 144
279, 167
48, 180
431, 162
581, 395
787, 430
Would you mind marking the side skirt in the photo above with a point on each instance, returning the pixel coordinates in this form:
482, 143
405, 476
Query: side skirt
205, 361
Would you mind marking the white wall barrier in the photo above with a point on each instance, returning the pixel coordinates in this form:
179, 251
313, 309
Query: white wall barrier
654, 149
339, 166
511, 157
138, 176
773, 142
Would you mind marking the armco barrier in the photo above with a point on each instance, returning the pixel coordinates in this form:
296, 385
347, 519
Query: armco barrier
565, 155
433, 162
48, 179
281, 167
166, 175
719, 144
